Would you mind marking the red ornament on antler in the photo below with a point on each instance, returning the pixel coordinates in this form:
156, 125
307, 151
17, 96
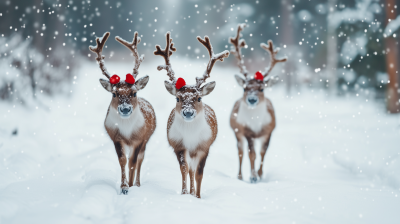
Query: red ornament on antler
129, 79
259, 76
180, 83
114, 79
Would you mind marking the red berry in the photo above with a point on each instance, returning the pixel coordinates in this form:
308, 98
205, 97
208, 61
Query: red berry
259, 76
129, 79
180, 83
114, 79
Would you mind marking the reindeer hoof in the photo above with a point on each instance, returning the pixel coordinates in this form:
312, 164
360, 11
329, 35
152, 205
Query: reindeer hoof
253, 179
240, 177
137, 184
260, 173
185, 191
124, 191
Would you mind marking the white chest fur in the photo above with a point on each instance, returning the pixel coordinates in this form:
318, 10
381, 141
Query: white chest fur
125, 126
253, 118
190, 133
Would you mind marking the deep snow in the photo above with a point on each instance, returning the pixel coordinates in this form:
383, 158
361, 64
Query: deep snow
331, 160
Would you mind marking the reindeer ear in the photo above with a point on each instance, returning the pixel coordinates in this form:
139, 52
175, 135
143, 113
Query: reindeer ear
240, 81
106, 84
207, 88
142, 82
170, 88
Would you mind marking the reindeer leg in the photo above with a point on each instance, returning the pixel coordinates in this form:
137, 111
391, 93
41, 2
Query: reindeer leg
122, 163
131, 167
184, 169
199, 175
252, 156
139, 165
263, 151
191, 175
132, 164
240, 149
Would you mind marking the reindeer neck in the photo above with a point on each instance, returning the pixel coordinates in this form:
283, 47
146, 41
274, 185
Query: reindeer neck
254, 118
191, 134
125, 126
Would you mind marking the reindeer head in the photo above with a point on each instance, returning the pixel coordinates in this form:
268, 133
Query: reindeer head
253, 86
124, 93
188, 97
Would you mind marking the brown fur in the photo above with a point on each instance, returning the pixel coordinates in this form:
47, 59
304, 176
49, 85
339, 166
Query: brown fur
188, 105
242, 131
200, 153
255, 88
125, 95
138, 140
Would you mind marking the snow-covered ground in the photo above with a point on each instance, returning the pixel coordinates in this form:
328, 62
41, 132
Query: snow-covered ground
331, 160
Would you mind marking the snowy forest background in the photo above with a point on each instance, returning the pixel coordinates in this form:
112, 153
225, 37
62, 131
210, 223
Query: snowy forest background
334, 157
345, 47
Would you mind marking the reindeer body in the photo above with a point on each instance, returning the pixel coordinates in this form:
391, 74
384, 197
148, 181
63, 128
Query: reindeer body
250, 124
130, 120
192, 125
198, 134
258, 121
253, 115
130, 137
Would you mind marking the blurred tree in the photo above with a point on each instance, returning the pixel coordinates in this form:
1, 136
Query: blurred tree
287, 33
392, 68
38, 40
332, 53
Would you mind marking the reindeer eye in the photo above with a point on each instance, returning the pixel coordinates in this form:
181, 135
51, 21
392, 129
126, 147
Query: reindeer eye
177, 99
134, 95
199, 99
114, 95
261, 90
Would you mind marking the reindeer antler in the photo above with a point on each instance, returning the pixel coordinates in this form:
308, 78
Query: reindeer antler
165, 54
133, 47
98, 49
272, 52
213, 59
238, 44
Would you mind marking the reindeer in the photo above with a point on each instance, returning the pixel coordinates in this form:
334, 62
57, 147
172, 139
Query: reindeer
130, 120
192, 125
253, 115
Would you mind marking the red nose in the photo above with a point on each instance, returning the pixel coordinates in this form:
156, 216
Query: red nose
114, 79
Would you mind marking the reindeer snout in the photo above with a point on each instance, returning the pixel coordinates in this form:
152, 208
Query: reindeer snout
188, 114
125, 110
252, 100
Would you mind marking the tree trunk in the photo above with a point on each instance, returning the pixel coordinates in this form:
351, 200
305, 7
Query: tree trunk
287, 37
392, 68
38, 18
332, 54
